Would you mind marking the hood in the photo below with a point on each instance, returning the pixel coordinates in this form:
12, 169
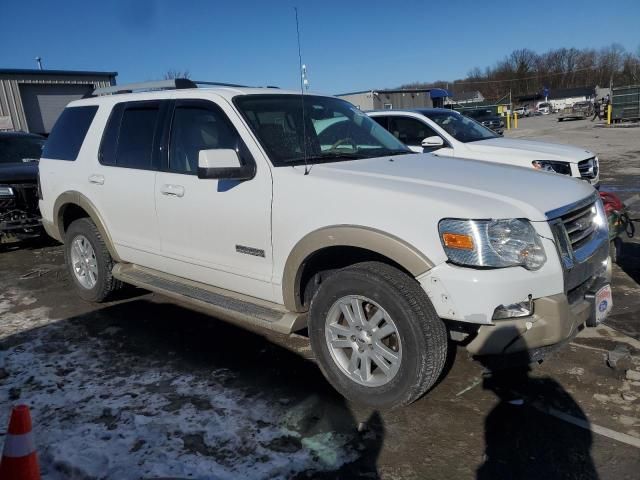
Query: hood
461, 188
18, 172
531, 149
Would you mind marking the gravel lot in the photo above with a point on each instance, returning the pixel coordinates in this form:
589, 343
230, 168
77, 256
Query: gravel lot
144, 387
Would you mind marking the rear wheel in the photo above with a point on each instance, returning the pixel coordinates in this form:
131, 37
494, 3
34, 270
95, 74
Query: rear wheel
376, 336
88, 261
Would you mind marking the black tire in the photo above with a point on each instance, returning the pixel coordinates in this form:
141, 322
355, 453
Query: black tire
105, 284
423, 335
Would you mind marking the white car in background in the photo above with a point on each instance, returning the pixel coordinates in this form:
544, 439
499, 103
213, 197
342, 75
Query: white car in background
544, 108
445, 132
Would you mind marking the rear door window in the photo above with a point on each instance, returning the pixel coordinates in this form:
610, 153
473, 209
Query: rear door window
131, 133
69, 132
137, 131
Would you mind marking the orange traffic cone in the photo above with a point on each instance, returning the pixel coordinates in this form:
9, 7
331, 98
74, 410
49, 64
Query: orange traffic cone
19, 459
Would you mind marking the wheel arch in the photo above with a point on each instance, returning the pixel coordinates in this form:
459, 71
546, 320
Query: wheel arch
382, 245
70, 206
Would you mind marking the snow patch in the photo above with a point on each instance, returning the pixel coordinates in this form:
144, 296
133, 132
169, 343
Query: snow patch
100, 416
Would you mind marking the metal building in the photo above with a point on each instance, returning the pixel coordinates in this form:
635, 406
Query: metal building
31, 100
396, 98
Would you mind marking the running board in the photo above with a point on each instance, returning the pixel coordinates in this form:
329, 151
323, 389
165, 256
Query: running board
229, 306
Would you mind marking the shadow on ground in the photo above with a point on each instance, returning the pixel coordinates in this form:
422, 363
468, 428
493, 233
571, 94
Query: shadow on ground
629, 259
524, 442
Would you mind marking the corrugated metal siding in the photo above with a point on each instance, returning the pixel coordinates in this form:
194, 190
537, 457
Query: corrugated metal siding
362, 100
401, 100
11, 102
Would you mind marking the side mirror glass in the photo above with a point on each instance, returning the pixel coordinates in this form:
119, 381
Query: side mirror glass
223, 163
433, 142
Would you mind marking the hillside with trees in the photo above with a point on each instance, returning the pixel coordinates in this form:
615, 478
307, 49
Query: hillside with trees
527, 72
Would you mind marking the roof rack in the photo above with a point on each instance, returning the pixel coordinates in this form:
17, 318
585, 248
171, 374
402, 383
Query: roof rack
173, 84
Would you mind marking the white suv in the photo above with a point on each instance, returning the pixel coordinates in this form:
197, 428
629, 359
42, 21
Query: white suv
446, 132
301, 214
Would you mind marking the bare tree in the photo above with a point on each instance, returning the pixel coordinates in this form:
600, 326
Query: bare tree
173, 73
524, 71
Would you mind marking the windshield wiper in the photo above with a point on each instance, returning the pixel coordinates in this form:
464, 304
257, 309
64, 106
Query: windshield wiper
398, 151
330, 156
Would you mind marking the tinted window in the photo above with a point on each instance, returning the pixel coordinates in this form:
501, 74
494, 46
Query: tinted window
196, 128
17, 149
409, 130
110, 137
382, 121
68, 133
135, 141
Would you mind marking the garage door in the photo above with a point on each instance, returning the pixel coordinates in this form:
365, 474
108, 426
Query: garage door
44, 103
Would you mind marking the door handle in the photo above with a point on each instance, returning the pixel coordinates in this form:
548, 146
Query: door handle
96, 179
172, 190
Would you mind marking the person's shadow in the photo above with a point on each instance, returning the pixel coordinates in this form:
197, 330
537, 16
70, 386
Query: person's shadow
523, 439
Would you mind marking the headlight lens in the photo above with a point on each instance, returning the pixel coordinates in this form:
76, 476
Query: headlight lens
492, 243
550, 166
5, 191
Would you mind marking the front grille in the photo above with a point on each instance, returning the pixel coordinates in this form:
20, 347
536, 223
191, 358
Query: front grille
580, 225
588, 168
582, 240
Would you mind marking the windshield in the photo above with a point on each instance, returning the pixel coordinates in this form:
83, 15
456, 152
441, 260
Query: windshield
460, 127
15, 149
479, 114
334, 129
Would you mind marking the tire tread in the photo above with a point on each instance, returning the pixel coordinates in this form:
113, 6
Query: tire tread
108, 283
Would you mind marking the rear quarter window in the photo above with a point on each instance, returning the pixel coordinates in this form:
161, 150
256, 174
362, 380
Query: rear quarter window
69, 132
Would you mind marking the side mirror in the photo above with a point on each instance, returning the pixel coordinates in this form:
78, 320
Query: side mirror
433, 142
223, 163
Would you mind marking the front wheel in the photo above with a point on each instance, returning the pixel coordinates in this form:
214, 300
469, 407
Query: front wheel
376, 336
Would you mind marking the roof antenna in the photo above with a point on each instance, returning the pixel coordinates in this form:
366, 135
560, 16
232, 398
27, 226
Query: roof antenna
302, 75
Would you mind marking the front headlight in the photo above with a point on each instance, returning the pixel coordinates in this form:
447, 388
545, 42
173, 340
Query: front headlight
492, 243
551, 166
6, 192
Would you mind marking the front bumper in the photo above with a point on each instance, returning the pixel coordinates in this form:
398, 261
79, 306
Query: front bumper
554, 321
20, 224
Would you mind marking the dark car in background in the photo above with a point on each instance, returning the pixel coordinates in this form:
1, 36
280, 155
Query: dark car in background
487, 118
576, 111
19, 213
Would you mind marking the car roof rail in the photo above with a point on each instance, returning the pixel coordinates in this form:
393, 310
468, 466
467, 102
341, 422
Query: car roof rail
173, 84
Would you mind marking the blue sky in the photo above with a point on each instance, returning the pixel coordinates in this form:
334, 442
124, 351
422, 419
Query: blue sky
347, 45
